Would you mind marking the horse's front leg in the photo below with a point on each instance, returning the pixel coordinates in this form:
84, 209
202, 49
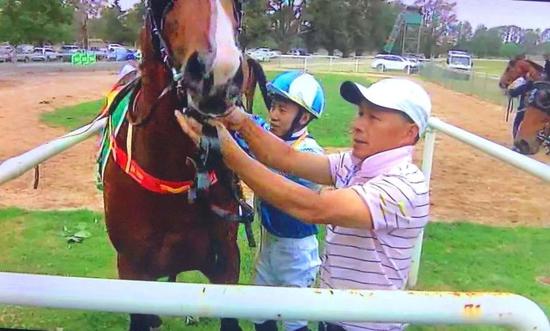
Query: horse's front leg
138, 322
223, 266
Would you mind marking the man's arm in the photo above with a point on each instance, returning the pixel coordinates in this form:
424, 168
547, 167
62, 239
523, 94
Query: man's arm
341, 207
275, 153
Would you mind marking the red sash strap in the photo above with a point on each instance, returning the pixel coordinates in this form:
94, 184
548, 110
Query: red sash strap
147, 180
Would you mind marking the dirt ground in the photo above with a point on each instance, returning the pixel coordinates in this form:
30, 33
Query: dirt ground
466, 184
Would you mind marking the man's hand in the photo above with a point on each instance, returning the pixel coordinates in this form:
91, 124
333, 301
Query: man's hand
234, 119
193, 129
189, 126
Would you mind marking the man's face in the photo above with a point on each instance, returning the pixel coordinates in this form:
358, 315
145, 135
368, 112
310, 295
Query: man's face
281, 116
375, 130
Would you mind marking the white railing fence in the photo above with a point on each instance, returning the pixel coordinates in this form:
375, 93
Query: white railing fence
276, 303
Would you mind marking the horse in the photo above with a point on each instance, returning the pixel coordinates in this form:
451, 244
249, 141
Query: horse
520, 67
534, 130
171, 206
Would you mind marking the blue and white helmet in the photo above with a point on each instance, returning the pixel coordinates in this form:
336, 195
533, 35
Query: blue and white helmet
301, 88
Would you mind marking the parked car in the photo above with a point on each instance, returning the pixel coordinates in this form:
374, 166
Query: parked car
298, 52
383, 62
100, 53
111, 47
24, 48
123, 54
44, 54
263, 54
66, 52
7, 53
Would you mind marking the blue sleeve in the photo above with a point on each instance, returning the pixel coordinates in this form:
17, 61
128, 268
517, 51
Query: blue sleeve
308, 146
240, 140
520, 90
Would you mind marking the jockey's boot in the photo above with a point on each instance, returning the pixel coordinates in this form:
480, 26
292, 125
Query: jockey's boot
270, 325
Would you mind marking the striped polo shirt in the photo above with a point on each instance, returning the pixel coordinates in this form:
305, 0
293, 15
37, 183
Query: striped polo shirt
396, 193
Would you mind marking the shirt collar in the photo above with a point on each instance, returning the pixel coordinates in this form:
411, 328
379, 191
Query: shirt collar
297, 134
378, 163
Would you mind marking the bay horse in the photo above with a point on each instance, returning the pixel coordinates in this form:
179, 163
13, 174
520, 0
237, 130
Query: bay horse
166, 210
534, 130
520, 67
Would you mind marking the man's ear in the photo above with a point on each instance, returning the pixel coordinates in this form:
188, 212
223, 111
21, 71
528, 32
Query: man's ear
306, 117
412, 134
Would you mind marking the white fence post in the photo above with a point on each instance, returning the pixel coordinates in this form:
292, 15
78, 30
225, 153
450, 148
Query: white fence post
330, 63
427, 161
356, 64
305, 63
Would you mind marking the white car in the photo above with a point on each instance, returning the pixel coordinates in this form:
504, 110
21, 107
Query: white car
261, 55
383, 62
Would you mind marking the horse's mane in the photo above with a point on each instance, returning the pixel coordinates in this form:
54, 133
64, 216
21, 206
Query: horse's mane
536, 65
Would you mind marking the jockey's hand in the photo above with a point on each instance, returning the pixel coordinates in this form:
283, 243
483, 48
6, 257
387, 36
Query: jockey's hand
189, 126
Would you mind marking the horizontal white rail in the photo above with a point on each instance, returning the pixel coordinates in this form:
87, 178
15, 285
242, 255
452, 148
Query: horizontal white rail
18, 165
260, 303
522, 162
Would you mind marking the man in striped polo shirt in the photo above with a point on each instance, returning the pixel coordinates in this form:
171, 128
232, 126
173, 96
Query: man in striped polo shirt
380, 202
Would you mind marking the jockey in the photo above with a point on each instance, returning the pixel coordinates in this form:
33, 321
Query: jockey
289, 253
519, 88
547, 65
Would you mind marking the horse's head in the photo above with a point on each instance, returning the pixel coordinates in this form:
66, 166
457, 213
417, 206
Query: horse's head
519, 67
197, 42
536, 121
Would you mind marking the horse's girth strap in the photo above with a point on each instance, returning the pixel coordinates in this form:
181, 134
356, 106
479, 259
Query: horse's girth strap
146, 180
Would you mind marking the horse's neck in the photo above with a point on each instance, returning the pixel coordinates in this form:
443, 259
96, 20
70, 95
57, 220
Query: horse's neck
159, 145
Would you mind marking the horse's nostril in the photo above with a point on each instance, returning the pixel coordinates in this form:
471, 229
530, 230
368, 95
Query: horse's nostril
195, 67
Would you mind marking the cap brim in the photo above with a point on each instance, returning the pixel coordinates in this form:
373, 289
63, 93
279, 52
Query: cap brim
351, 93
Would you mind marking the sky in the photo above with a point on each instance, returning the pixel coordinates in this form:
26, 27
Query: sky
488, 12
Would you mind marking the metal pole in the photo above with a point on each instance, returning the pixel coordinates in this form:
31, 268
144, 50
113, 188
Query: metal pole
517, 160
271, 303
427, 161
18, 165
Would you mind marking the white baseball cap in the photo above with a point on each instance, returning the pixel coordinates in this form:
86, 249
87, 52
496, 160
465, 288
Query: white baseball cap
393, 93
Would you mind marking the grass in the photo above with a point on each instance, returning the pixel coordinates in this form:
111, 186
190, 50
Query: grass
460, 256
481, 86
72, 117
330, 130
491, 67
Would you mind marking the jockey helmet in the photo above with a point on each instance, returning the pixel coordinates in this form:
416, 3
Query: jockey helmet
300, 88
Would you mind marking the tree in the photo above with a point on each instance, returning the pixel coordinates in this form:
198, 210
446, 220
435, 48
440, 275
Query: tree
256, 25
510, 50
34, 21
440, 20
328, 27
286, 21
84, 11
485, 42
110, 26
530, 41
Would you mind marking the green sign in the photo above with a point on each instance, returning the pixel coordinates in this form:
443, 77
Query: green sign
83, 58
